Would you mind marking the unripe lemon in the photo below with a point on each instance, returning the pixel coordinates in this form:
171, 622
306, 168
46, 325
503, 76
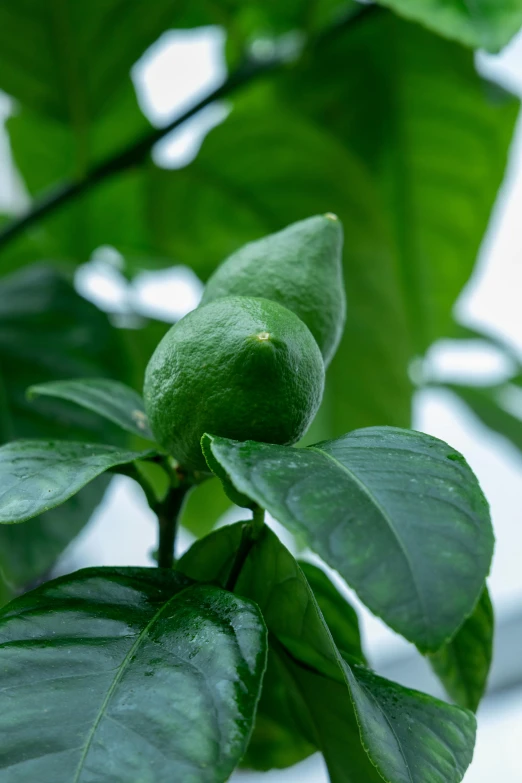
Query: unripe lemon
299, 267
240, 367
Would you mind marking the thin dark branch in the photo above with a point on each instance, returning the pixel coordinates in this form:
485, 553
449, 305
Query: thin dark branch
168, 514
137, 152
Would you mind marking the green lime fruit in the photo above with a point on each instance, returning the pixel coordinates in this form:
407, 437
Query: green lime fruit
299, 267
239, 367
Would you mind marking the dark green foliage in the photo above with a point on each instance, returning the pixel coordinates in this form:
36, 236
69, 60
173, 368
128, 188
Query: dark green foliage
242, 654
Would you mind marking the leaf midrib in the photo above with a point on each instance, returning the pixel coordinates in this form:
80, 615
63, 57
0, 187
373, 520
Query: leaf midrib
121, 670
387, 519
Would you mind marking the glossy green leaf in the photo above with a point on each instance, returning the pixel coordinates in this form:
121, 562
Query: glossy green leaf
281, 729
463, 664
484, 24
37, 475
485, 404
143, 677
397, 513
292, 719
340, 616
211, 559
111, 399
306, 699
411, 737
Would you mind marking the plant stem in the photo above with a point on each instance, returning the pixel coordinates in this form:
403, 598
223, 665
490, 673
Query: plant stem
251, 532
258, 520
137, 152
168, 515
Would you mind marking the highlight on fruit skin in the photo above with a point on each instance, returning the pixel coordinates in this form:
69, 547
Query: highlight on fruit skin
301, 268
241, 367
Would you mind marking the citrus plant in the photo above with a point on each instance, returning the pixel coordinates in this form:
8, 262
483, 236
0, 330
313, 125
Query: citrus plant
236, 653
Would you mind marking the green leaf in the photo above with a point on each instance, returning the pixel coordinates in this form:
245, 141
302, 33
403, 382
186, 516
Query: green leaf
397, 513
279, 737
205, 504
110, 399
141, 675
410, 736
28, 552
292, 718
438, 166
306, 701
47, 331
39, 475
51, 69
484, 403
485, 24
341, 618
463, 664
211, 559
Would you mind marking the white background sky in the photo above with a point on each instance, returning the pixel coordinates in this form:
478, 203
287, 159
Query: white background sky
123, 530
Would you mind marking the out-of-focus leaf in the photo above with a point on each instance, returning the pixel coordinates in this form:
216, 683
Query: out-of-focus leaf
60, 59
411, 106
399, 514
484, 24
141, 672
111, 399
485, 405
37, 475
48, 332
463, 663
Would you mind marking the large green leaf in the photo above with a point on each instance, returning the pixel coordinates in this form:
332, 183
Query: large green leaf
37, 475
413, 737
51, 68
111, 399
307, 697
142, 677
435, 137
486, 24
463, 663
397, 513
298, 710
485, 404
340, 616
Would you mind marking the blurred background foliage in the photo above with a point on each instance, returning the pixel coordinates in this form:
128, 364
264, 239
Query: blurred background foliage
374, 112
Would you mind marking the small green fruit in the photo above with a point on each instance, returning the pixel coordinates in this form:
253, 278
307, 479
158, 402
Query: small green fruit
299, 267
239, 367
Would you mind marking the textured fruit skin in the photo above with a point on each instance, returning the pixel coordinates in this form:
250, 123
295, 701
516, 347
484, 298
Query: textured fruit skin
299, 267
240, 367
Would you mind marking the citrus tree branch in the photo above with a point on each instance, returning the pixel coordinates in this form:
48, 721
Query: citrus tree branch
137, 152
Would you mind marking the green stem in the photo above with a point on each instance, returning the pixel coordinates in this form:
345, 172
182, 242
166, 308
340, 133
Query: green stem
251, 532
258, 521
168, 514
137, 152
